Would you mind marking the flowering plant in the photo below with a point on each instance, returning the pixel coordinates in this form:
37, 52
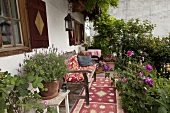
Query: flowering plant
104, 66
101, 63
137, 80
109, 58
48, 64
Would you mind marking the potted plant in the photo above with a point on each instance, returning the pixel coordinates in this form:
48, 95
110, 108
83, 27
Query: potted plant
110, 59
48, 64
100, 67
17, 97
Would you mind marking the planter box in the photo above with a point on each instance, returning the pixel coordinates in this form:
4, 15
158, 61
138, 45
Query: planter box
111, 64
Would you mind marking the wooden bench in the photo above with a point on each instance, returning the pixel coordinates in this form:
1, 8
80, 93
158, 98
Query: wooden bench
87, 73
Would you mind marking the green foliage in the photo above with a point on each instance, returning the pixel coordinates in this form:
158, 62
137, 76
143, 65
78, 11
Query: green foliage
161, 104
47, 64
104, 40
102, 4
15, 94
120, 36
141, 93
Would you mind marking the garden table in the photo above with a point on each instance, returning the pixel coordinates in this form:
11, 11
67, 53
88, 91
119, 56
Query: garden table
93, 52
57, 100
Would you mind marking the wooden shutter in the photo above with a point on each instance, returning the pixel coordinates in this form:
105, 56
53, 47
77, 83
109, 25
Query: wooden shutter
76, 31
38, 23
82, 33
71, 38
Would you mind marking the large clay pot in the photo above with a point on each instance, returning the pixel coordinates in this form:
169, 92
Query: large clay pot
111, 64
53, 90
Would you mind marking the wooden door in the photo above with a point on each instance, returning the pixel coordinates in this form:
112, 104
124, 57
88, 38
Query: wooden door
37, 23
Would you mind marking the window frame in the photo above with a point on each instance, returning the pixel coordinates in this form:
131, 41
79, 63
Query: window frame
8, 50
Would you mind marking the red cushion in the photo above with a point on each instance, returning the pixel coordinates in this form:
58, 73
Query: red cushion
74, 65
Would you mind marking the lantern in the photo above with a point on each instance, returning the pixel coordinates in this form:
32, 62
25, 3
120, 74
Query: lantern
69, 22
5, 28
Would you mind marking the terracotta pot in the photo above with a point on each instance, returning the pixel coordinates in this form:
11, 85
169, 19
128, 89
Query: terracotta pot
53, 90
111, 64
99, 70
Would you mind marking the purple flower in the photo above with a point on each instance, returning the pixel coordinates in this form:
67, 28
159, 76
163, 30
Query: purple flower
19, 70
148, 67
140, 74
52, 45
19, 64
124, 79
106, 67
148, 81
25, 54
130, 53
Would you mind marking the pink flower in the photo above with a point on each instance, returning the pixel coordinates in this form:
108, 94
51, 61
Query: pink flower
110, 57
148, 67
143, 58
46, 103
140, 74
124, 79
130, 53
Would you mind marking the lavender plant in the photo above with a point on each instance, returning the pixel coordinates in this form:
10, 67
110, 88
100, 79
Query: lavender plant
48, 64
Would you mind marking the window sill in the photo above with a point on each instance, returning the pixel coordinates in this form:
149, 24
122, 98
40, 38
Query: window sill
13, 51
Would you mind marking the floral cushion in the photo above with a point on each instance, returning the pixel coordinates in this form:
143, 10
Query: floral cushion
74, 65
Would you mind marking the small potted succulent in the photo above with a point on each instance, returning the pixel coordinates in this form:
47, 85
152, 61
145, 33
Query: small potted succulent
47, 64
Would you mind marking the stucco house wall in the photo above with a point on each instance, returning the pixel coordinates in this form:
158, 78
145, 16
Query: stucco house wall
156, 11
56, 11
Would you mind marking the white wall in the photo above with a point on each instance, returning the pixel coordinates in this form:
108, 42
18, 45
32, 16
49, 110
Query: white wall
56, 11
156, 11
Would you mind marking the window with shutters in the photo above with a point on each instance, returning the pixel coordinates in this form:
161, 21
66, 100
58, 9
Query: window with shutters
15, 35
78, 32
76, 37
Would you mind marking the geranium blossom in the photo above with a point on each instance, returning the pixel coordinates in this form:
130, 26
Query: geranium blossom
140, 74
148, 67
130, 53
124, 79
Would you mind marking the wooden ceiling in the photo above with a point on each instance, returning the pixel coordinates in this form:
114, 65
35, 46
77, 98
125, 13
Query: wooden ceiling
78, 5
